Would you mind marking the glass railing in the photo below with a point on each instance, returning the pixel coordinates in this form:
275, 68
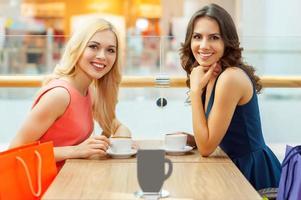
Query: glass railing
38, 54
152, 56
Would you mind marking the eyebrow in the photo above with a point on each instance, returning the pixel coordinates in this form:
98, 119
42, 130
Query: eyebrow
99, 44
208, 34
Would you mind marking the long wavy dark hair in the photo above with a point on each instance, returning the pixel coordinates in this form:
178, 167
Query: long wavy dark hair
232, 53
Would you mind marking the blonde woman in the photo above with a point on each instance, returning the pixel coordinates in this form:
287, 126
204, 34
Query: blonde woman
83, 87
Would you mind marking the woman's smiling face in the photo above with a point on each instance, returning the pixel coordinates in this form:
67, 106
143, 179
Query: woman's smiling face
99, 55
207, 44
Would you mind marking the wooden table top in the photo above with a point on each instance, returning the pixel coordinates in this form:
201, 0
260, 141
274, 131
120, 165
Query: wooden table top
193, 177
89, 179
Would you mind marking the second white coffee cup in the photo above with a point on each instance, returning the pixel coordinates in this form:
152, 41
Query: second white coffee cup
175, 141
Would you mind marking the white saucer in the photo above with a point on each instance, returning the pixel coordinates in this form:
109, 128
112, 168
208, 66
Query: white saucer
161, 194
178, 152
121, 155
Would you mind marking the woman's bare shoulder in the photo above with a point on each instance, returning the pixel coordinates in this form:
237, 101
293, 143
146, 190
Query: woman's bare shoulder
56, 99
234, 75
234, 80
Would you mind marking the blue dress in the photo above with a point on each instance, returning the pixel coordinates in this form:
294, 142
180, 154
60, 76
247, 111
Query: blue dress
244, 144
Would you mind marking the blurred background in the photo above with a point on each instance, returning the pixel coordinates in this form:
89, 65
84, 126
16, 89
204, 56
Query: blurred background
33, 34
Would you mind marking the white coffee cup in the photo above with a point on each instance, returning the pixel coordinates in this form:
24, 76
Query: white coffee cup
175, 141
121, 144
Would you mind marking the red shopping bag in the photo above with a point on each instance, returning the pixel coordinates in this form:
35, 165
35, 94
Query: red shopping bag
26, 171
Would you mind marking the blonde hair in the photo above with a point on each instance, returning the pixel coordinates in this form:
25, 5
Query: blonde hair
105, 89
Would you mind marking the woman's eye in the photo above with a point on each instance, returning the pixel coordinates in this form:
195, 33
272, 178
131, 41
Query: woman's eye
196, 37
215, 37
111, 50
93, 46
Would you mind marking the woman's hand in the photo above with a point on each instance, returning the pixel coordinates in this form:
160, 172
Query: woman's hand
97, 144
217, 70
201, 75
190, 140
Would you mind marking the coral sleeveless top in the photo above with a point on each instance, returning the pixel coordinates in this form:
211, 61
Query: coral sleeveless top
76, 124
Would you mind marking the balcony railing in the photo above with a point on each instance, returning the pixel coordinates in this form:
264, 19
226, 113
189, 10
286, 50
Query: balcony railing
151, 81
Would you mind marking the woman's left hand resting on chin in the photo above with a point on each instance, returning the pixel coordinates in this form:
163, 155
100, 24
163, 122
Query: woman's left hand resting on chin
201, 75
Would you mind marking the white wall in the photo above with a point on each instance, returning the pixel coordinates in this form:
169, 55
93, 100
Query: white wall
271, 17
191, 6
271, 34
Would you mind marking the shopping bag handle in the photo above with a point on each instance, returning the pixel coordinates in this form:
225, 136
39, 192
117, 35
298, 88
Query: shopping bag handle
38, 193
